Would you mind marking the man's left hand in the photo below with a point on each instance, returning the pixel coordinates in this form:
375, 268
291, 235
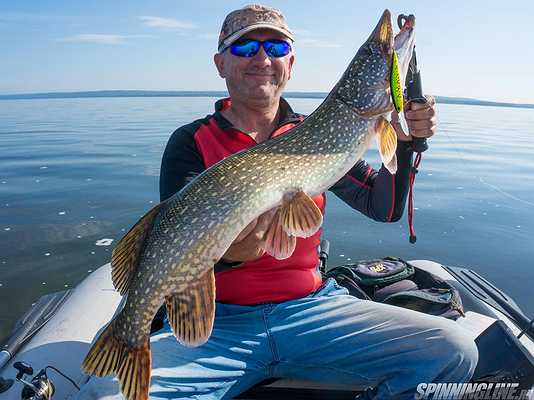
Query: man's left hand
421, 119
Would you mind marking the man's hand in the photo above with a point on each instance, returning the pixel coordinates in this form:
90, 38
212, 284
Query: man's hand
421, 119
248, 244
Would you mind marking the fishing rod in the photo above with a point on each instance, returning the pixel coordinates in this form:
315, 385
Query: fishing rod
413, 94
414, 88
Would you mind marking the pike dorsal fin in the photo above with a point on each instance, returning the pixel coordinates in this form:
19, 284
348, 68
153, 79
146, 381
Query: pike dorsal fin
276, 242
300, 216
192, 311
387, 144
125, 257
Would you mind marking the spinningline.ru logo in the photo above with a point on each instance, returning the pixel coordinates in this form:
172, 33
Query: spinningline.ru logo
477, 391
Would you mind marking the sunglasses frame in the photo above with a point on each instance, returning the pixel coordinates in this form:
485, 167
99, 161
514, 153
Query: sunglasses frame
261, 43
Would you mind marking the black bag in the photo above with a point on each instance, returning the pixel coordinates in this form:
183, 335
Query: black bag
397, 282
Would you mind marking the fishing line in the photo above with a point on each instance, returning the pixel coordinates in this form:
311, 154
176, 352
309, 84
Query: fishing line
497, 189
481, 180
63, 375
526, 329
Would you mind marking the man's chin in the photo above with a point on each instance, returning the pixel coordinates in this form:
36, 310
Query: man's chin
266, 92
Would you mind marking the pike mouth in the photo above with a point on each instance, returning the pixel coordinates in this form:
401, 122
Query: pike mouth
404, 44
383, 33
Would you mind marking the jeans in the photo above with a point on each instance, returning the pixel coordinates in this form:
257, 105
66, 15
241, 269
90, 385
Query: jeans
328, 336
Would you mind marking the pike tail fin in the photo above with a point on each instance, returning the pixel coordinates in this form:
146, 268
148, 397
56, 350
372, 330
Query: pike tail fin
109, 355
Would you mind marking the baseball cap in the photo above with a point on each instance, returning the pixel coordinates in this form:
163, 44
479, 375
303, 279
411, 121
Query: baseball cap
249, 18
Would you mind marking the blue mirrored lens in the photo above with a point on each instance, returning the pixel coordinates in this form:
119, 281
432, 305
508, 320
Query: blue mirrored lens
247, 48
276, 48
250, 47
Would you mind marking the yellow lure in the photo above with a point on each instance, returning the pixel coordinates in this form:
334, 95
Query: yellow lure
396, 84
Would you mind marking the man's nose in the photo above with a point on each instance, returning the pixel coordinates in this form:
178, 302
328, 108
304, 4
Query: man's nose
261, 57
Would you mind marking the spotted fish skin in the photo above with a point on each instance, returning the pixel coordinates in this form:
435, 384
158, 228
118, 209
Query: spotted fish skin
190, 232
199, 223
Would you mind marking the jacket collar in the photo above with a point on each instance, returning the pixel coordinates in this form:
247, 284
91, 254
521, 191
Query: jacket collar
287, 115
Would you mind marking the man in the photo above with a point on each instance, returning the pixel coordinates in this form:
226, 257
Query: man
276, 318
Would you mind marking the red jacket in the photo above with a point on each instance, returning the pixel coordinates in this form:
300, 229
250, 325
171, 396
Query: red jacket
197, 146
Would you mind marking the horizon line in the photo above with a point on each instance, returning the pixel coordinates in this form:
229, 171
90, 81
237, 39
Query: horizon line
222, 93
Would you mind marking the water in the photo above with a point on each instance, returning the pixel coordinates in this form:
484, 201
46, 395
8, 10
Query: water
74, 172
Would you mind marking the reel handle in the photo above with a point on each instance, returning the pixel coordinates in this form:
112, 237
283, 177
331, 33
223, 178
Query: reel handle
23, 368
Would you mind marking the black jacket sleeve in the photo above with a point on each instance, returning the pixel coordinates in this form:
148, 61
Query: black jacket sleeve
379, 195
180, 164
181, 161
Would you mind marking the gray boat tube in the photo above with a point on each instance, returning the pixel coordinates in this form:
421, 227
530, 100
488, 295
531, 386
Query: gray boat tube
31, 322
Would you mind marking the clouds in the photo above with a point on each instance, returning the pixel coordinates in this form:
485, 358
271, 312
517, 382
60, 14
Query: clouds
96, 38
117, 39
165, 23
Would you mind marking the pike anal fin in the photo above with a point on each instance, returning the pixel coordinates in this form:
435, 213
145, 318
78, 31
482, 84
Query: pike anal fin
109, 355
192, 311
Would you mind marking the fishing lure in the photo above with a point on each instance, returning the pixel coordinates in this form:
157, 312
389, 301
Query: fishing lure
396, 84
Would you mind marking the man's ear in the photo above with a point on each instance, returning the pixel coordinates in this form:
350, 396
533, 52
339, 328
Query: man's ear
291, 61
218, 59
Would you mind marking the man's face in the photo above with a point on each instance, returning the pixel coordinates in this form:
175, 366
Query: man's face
258, 78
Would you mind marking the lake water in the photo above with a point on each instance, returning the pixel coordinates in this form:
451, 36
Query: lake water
74, 172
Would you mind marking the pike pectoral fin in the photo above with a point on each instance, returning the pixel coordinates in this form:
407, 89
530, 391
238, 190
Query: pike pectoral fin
110, 355
387, 144
300, 216
125, 257
392, 165
192, 311
276, 241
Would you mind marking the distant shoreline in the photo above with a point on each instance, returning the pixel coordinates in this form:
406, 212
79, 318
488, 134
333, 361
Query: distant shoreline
181, 93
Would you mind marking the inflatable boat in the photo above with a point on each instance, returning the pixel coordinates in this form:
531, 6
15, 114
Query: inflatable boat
44, 352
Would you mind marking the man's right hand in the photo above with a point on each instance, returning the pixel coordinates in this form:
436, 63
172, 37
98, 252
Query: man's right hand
248, 244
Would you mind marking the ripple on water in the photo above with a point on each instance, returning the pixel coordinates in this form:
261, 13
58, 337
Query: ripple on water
83, 160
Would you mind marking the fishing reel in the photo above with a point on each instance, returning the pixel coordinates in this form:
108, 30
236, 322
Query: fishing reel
39, 388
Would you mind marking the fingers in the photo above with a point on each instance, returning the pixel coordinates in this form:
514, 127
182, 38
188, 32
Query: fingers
248, 244
423, 128
430, 103
421, 118
258, 226
422, 112
243, 251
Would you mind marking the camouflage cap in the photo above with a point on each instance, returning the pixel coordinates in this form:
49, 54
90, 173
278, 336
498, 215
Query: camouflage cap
249, 18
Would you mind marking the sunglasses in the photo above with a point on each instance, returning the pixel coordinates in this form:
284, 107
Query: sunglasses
249, 47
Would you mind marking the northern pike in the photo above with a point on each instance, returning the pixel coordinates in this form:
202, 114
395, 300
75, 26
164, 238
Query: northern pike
169, 254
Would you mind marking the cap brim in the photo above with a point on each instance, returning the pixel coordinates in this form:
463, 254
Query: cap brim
236, 35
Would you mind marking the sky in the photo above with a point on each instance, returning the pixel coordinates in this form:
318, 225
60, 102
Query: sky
476, 49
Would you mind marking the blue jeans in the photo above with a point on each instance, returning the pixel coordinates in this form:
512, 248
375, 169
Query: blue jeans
328, 336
